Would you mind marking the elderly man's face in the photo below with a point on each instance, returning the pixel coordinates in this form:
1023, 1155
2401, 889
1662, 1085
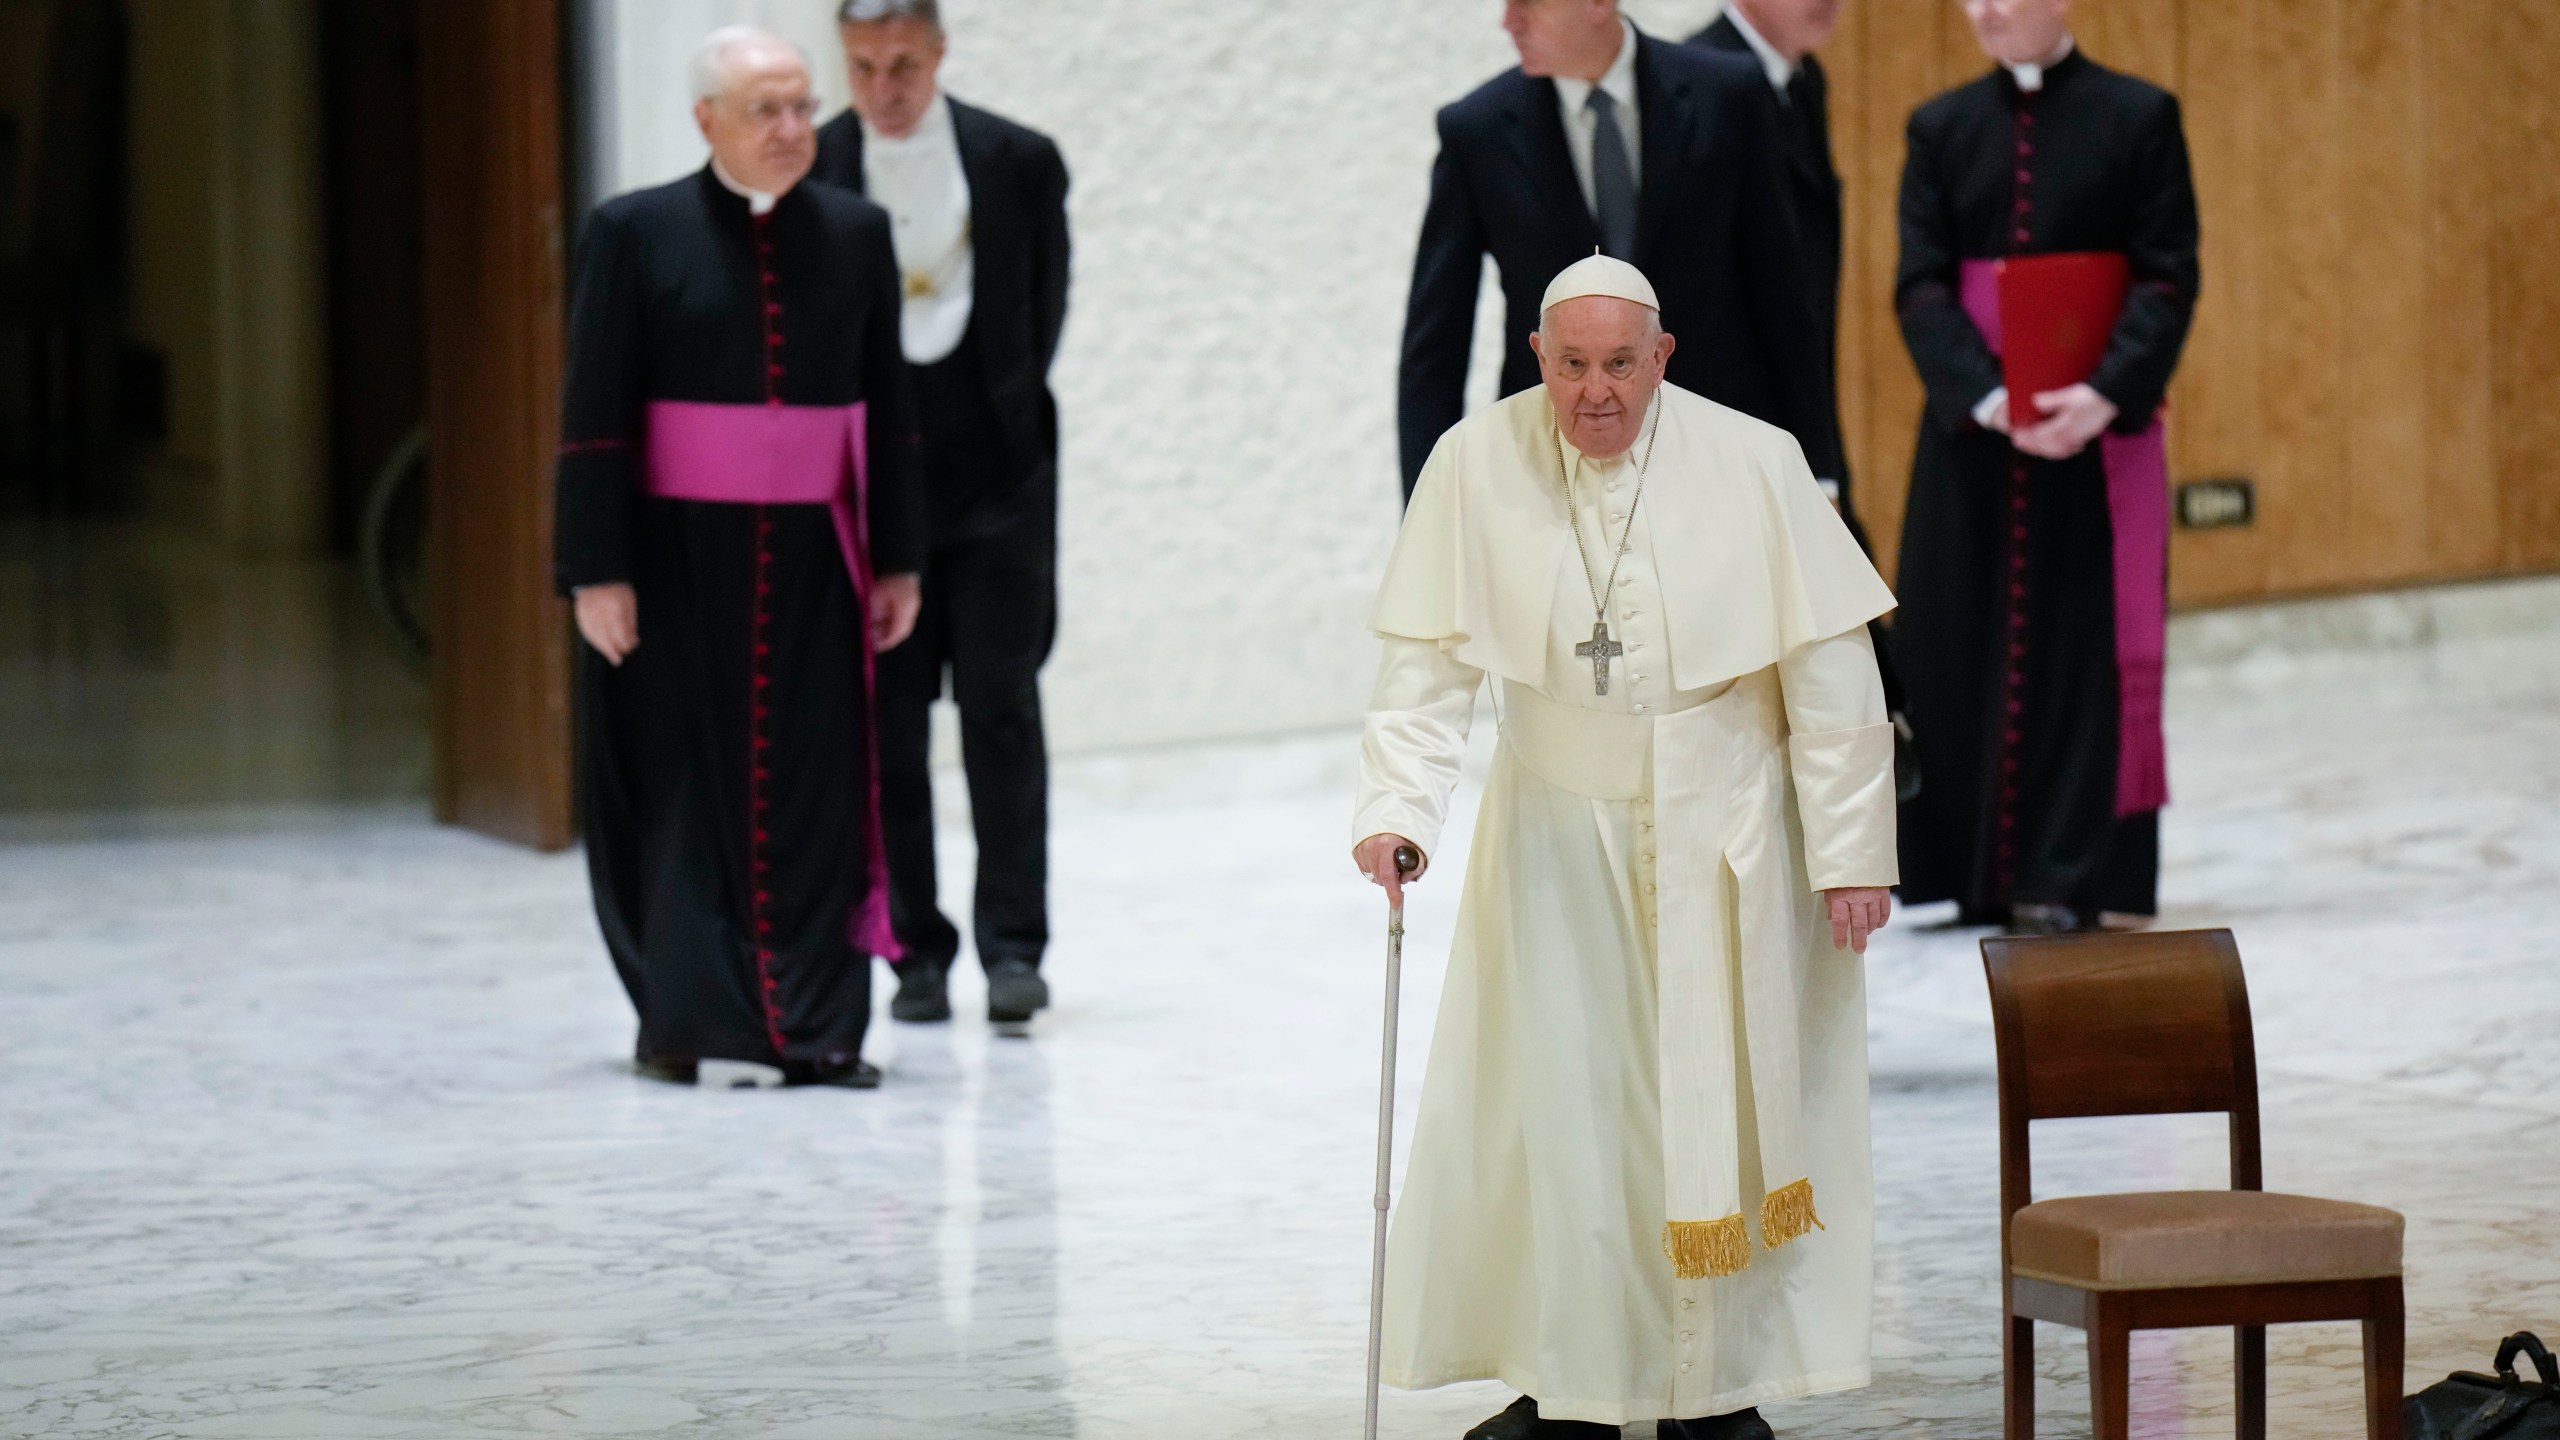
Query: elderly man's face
892, 64
1796, 28
1576, 38
2018, 32
1602, 358
760, 126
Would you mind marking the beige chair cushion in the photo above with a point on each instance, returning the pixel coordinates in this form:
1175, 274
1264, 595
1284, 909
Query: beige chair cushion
2169, 1238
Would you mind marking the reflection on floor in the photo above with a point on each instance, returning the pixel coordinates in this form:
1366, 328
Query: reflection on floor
323, 1132
150, 681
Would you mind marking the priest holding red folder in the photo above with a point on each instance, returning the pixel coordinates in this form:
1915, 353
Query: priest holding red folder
740, 521
2048, 276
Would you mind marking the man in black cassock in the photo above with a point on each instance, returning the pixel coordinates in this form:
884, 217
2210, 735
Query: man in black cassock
721, 550
2007, 638
1780, 37
978, 208
1657, 153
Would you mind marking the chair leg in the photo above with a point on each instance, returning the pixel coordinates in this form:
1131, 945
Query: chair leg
2250, 1376
2110, 1379
2384, 1334
2018, 1379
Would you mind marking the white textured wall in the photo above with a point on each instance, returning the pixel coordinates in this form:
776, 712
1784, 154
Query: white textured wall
1249, 180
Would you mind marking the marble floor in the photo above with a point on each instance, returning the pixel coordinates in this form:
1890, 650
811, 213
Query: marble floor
323, 1129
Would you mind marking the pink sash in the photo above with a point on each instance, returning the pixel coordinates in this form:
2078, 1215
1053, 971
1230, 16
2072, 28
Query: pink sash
792, 455
2137, 470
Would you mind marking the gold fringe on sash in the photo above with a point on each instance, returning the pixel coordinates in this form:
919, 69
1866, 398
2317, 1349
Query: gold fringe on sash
1703, 1248
1788, 1214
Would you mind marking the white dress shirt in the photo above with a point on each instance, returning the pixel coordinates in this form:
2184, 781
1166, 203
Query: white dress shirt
1780, 69
920, 182
1573, 98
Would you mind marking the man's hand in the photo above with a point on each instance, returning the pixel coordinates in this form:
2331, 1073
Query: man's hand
2073, 416
1376, 857
609, 618
896, 600
1857, 914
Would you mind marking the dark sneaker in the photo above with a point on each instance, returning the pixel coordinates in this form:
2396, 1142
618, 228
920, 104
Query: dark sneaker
1015, 992
924, 992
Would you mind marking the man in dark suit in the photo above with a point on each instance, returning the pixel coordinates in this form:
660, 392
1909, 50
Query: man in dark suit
1779, 36
978, 214
1661, 154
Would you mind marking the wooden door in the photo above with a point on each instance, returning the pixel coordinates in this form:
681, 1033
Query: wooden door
490, 76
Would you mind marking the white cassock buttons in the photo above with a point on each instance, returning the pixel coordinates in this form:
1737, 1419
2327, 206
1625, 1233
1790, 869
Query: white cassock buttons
1684, 1367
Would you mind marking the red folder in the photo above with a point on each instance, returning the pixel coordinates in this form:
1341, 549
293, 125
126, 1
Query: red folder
2056, 312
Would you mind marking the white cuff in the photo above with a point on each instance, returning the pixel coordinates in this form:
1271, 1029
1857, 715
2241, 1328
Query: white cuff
1988, 408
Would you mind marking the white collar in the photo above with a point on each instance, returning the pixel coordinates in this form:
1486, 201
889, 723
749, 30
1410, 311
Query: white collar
934, 130
1780, 68
759, 202
2030, 76
1619, 79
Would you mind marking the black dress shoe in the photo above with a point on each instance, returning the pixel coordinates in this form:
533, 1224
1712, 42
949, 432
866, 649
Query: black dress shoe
842, 1072
1015, 992
1520, 1421
2034, 919
924, 992
673, 1069
1740, 1425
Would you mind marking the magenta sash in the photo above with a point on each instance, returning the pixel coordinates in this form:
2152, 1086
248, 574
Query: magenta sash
2137, 470
793, 455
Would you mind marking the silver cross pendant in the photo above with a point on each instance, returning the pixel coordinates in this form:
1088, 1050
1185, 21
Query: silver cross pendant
1599, 650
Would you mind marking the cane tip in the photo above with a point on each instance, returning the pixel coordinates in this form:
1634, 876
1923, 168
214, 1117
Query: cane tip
1408, 860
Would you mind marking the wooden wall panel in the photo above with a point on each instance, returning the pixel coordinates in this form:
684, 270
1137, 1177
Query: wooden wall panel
2526, 294
2378, 344
2382, 302
2216, 401
2461, 129
490, 73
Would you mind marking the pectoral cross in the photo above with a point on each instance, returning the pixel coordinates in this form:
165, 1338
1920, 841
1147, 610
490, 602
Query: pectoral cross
1599, 650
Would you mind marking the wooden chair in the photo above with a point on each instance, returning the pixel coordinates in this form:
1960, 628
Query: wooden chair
2157, 1024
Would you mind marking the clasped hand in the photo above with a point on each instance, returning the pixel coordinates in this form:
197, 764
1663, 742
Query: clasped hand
609, 614
2071, 417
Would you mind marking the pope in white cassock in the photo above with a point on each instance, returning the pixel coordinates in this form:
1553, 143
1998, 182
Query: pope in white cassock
1639, 1184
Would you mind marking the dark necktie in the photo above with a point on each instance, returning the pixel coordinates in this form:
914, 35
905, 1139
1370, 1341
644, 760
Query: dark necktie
1613, 181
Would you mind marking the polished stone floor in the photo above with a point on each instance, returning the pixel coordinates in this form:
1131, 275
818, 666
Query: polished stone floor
322, 1129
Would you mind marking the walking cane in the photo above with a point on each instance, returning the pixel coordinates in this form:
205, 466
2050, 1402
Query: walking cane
1407, 861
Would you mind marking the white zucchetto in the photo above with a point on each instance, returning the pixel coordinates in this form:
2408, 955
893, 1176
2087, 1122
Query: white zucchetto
1599, 275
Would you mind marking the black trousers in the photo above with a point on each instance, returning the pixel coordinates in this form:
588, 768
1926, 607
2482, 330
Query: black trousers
989, 618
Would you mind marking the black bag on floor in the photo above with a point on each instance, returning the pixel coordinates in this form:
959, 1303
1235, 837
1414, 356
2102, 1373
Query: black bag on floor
2467, 1405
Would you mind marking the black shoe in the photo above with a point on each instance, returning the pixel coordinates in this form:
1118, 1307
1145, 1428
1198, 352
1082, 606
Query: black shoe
842, 1072
2033, 919
924, 992
1521, 1422
1015, 992
672, 1069
1740, 1425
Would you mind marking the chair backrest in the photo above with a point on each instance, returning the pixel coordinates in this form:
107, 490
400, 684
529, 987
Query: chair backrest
2135, 1024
